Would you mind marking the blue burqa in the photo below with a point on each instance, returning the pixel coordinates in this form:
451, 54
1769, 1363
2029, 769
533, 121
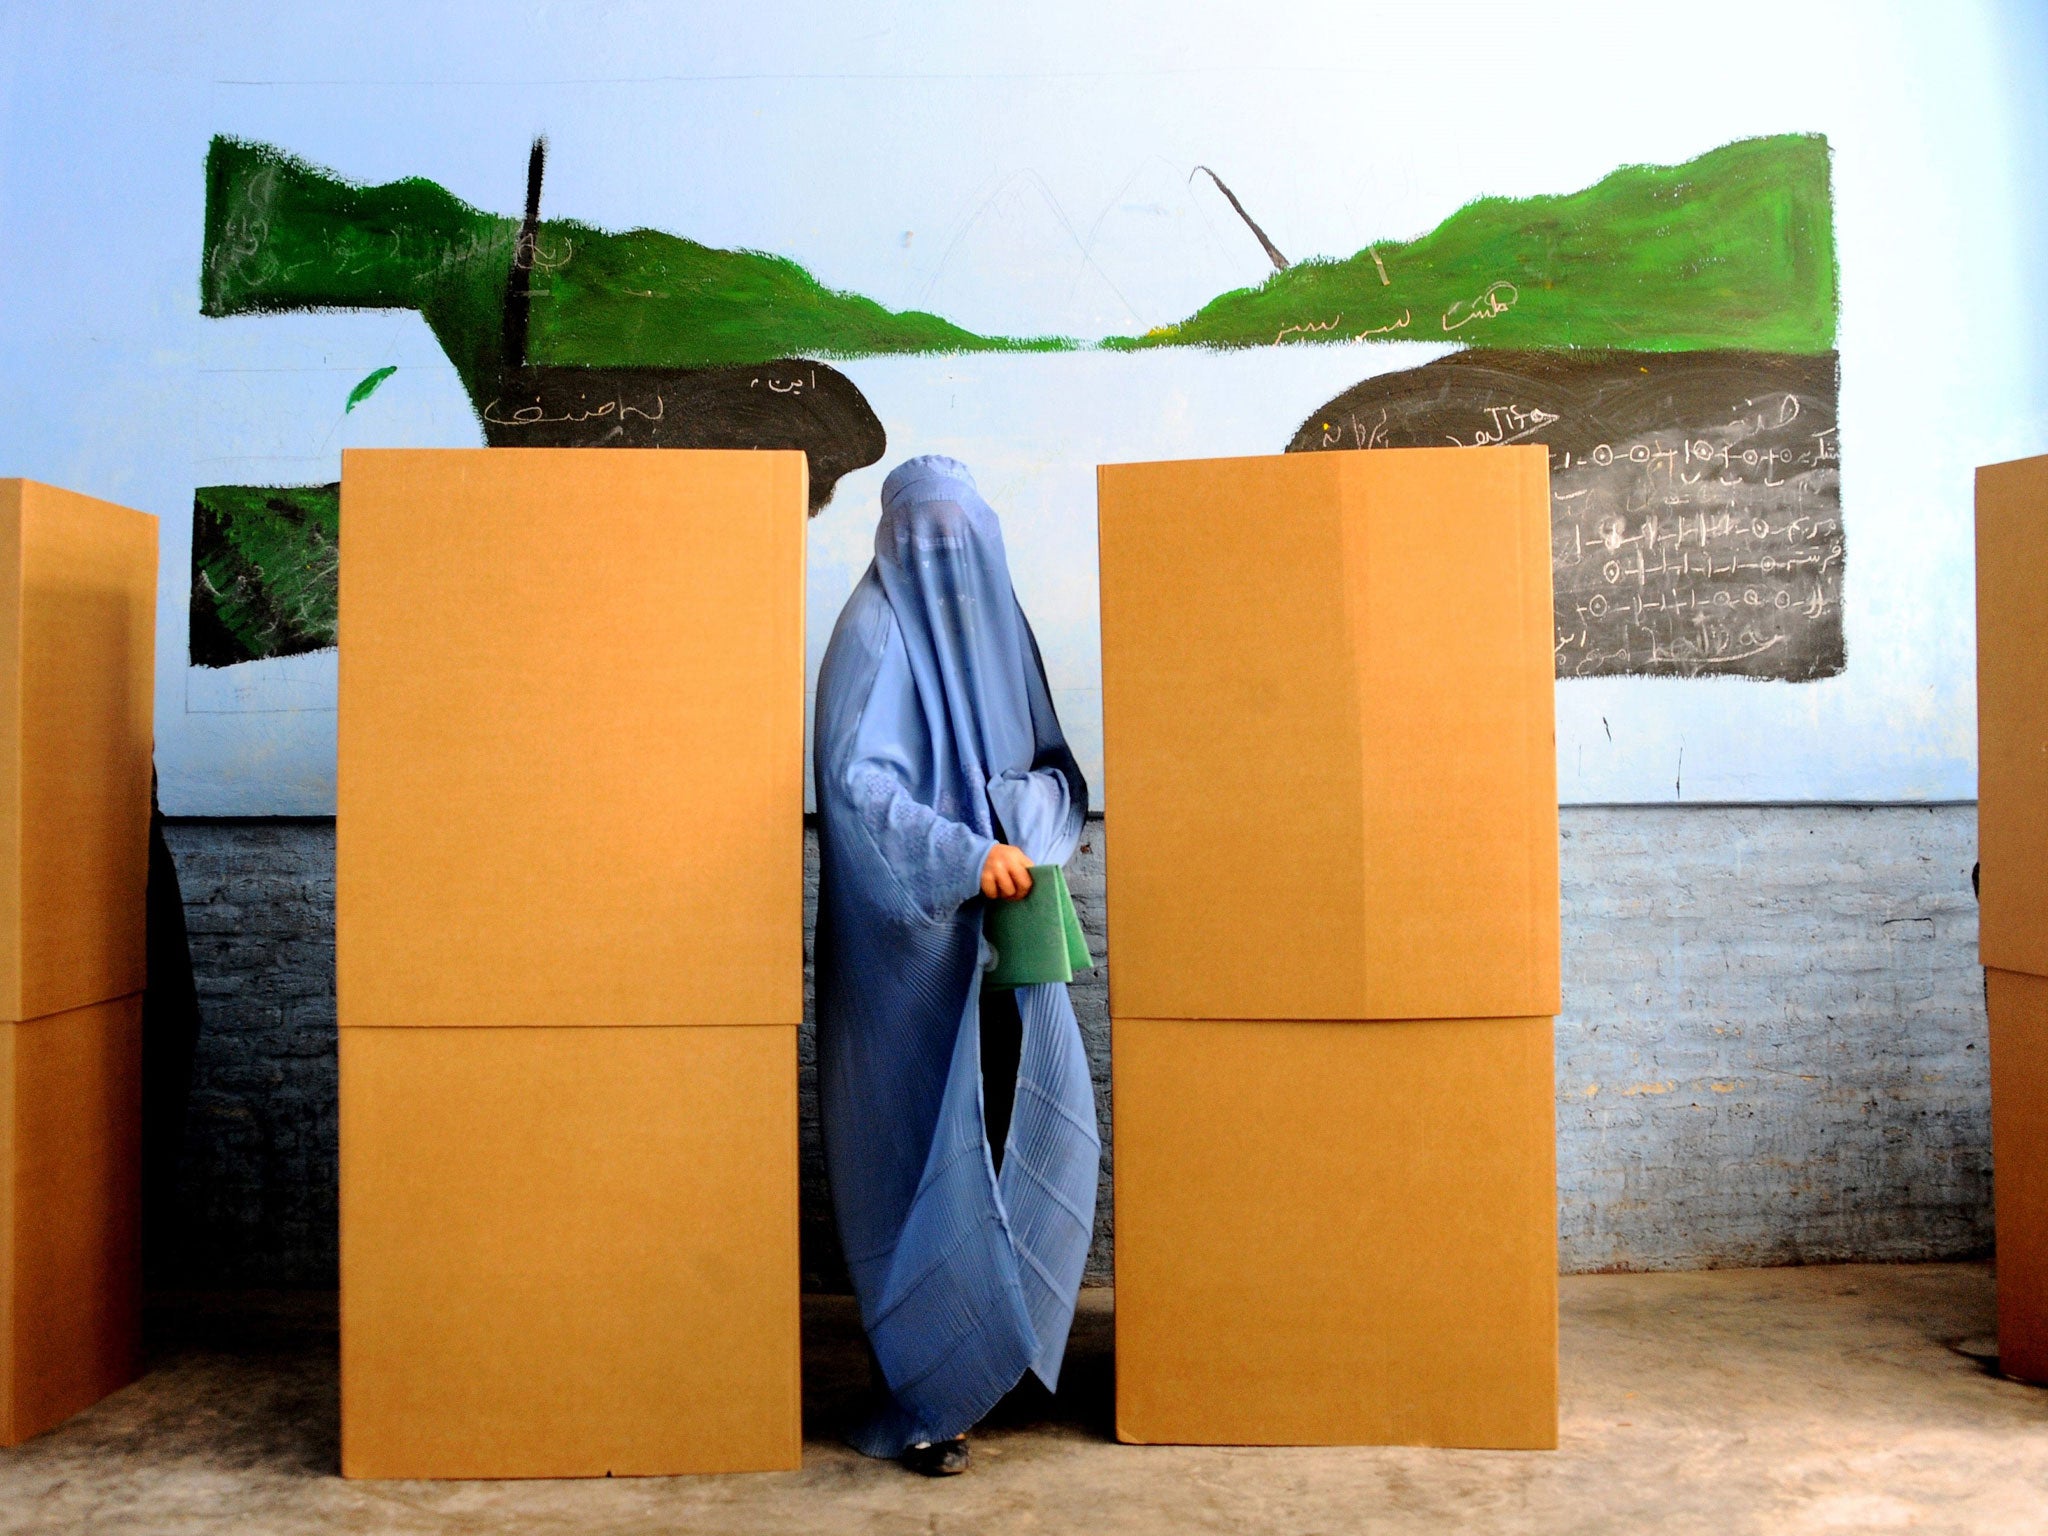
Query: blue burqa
935, 740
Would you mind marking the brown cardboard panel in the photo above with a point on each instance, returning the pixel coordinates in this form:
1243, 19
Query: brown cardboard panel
567, 1252
1328, 1235
70, 1212
2012, 714
571, 737
2018, 1005
1327, 692
77, 688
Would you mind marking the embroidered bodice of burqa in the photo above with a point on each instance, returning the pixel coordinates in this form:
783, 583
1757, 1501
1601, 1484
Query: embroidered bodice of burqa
935, 740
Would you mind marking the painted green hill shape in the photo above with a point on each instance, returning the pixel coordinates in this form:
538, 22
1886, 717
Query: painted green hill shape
282, 234
265, 571
1733, 249
649, 299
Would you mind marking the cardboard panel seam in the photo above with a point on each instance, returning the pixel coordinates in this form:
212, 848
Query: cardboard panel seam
1337, 841
2017, 1004
1546, 1010
1330, 1236
571, 810
2012, 713
12, 495
78, 580
580, 1025
70, 1192
664, 1338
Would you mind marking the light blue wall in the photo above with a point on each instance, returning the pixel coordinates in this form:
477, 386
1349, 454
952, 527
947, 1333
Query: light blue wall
1032, 178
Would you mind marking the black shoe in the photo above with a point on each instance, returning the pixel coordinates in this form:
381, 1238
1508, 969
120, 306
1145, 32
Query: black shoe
944, 1458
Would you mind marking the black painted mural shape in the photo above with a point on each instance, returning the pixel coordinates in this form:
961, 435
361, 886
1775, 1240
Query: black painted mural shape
1696, 517
791, 403
265, 563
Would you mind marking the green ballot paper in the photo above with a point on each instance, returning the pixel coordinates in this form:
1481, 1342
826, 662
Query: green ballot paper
1038, 938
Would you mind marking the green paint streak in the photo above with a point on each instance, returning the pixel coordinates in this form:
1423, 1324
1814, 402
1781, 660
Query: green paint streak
264, 567
1733, 249
368, 387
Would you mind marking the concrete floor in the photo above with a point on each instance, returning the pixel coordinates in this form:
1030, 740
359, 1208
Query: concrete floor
1847, 1399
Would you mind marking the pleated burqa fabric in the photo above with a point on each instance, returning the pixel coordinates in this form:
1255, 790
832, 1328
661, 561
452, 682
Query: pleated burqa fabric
935, 740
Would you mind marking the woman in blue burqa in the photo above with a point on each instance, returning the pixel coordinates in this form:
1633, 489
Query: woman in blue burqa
959, 1122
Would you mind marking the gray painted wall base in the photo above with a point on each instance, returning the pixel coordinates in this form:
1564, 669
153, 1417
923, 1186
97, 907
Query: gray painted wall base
1772, 1049
1773, 1046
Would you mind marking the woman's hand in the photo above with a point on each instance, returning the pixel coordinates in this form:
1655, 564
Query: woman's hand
1006, 873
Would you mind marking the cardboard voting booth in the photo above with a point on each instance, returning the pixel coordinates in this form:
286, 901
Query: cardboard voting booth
77, 683
2012, 842
569, 959
1333, 911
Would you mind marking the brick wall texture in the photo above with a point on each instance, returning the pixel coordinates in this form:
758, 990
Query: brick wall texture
256, 1186
1772, 1049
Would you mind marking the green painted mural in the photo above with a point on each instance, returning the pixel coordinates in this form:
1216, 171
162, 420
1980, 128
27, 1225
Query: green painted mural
265, 571
1732, 250
565, 334
284, 235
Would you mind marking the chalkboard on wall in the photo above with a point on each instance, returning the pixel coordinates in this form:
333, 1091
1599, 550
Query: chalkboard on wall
1696, 520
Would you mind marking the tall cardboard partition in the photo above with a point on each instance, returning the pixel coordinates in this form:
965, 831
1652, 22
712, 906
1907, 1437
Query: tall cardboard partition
77, 679
2012, 841
569, 957
1333, 924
